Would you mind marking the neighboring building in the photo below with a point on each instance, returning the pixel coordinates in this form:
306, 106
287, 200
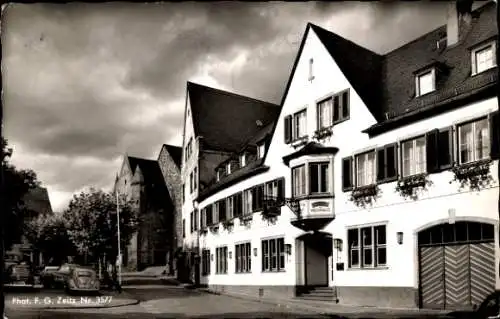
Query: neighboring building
36, 202
170, 160
356, 187
216, 125
142, 182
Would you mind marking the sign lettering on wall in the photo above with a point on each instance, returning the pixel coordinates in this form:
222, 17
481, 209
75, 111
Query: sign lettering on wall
320, 206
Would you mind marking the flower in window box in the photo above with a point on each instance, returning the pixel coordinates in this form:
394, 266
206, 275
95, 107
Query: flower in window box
366, 195
323, 133
228, 224
476, 175
408, 187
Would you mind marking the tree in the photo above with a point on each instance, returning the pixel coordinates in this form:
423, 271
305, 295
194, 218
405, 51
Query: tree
48, 234
91, 222
17, 183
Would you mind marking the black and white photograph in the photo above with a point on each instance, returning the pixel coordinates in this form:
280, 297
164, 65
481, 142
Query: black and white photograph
240, 159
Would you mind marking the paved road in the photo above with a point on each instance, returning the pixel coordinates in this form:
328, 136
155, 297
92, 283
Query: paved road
158, 302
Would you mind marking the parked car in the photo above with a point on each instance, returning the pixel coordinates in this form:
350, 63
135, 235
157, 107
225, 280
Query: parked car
60, 276
82, 279
47, 276
22, 275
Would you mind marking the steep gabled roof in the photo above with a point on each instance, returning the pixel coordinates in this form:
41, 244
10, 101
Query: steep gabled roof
175, 152
225, 120
37, 200
361, 67
153, 179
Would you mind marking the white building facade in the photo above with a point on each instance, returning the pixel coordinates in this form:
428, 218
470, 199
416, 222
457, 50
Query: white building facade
362, 192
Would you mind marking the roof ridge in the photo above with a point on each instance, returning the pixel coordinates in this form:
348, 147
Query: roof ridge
170, 145
230, 93
339, 37
142, 158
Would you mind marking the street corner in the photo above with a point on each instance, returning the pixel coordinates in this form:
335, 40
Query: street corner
67, 302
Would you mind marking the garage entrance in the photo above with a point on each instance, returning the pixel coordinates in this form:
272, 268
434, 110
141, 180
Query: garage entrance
456, 265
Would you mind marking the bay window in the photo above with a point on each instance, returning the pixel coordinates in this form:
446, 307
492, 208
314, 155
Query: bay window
299, 181
319, 177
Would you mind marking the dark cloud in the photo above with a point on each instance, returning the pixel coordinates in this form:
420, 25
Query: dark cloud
84, 83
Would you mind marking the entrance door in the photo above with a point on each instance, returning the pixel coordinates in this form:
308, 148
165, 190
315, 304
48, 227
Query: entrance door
317, 250
457, 265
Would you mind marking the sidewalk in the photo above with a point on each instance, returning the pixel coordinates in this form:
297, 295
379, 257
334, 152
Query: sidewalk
329, 308
107, 300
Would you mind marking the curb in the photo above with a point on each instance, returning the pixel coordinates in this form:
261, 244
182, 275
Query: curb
316, 308
129, 303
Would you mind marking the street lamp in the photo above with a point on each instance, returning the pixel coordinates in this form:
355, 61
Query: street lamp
119, 246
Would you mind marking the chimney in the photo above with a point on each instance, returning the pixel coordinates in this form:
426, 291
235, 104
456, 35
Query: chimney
459, 18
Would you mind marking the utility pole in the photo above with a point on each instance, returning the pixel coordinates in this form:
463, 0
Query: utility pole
119, 246
2, 212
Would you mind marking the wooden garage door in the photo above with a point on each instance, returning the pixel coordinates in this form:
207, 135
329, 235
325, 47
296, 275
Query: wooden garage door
457, 265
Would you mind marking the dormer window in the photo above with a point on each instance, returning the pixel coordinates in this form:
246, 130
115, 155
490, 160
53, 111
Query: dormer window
228, 168
425, 82
483, 58
261, 149
219, 175
243, 160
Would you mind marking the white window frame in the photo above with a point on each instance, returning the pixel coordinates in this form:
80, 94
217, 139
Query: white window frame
474, 55
365, 168
243, 258
319, 177
247, 202
413, 166
229, 207
272, 189
278, 254
375, 246
296, 127
432, 73
243, 161
328, 104
261, 149
301, 172
474, 151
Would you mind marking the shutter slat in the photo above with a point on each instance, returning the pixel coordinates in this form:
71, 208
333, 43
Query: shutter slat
347, 182
381, 165
391, 161
494, 136
281, 188
432, 151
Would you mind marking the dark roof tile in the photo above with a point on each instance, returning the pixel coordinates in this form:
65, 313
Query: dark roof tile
225, 120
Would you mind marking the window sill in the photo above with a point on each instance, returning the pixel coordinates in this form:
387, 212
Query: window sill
314, 196
221, 273
273, 271
243, 273
473, 74
367, 268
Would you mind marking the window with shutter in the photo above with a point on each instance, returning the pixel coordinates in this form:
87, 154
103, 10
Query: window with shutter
494, 135
222, 210
445, 148
391, 162
432, 151
288, 129
381, 165
347, 172
281, 188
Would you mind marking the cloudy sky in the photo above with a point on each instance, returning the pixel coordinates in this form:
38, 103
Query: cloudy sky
84, 83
